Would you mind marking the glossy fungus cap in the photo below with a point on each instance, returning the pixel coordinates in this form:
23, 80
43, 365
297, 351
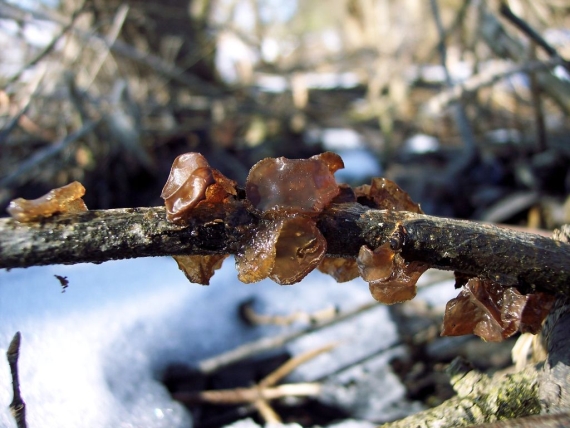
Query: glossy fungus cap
278, 186
189, 178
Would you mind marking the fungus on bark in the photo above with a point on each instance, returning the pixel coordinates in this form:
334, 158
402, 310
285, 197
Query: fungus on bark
284, 249
287, 192
281, 186
342, 270
192, 181
66, 199
384, 194
391, 279
494, 312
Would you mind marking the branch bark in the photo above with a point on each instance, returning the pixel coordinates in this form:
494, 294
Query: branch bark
528, 261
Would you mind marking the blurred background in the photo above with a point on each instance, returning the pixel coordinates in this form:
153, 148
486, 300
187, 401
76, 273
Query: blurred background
454, 100
450, 99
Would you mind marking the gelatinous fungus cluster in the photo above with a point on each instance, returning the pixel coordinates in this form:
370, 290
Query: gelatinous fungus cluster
193, 183
495, 312
287, 195
66, 199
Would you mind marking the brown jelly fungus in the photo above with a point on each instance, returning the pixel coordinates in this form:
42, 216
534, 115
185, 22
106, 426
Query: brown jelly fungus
341, 269
189, 178
494, 312
384, 194
66, 199
390, 277
199, 269
284, 249
277, 186
190, 182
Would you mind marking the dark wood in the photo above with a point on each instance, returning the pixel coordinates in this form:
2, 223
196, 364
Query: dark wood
532, 262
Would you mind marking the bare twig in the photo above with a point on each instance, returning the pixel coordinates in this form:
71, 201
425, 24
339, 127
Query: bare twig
260, 394
46, 50
460, 115
485, 79
118, 22
34, 89
532, 34
17, 407
43, 155
265, 344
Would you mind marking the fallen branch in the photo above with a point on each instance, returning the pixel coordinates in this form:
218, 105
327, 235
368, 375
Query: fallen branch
17, 406
528, 261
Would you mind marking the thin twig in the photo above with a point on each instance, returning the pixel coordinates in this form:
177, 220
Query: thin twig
43, 155
34, 89
260, 394
17, 407
265, 344
485, 79
502, 255
283, 370
532, 34
118, 22
541, 137
459, 111
45, 51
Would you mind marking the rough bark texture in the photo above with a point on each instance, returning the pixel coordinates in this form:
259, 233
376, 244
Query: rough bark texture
509, 257
480, 399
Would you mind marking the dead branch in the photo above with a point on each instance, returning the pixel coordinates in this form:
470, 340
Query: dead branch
531, 262
17, 406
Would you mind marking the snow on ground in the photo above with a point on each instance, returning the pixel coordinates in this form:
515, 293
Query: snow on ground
93, 355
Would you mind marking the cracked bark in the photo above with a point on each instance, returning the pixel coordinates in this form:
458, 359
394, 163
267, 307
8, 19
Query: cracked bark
528, 261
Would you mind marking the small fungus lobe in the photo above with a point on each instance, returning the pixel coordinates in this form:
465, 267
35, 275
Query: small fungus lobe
199, 269
390, 277
494, 312
66, 199
285, 250
189, 177
190, 182
341, 269
293, 186
384, 194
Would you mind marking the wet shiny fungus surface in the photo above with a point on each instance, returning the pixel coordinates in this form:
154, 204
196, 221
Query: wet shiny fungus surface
187, 182
384, 194
300, 247
199, 269
494, 312
287, 195
285, 250
391, 279
341, 269
66, 199
292, 186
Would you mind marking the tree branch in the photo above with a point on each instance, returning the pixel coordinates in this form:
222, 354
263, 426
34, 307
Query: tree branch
528, 261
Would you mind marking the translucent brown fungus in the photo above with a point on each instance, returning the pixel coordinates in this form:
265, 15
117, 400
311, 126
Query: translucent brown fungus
285, 250
66, 199
332, 160
280, 186
494, 312
384, 194
191, 181
375, 265
390, 277
199, 269
342, 270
